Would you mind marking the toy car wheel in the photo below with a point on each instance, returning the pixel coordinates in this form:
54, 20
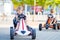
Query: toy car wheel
58, 26
33, 34
11, 33
54, 26
40, 27
46, 26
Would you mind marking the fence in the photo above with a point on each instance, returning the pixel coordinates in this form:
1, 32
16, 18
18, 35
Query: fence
32, 20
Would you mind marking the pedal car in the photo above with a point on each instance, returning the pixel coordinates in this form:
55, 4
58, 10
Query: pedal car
50, 23
23, 30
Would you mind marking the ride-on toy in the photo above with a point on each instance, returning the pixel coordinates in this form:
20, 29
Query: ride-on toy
50, 23
23, 30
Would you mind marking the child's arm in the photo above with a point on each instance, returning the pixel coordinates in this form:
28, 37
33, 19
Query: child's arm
17, 17
55, 21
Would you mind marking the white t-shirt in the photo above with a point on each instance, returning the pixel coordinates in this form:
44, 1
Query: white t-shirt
54, 15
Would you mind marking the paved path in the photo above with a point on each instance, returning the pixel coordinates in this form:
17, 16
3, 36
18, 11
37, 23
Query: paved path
49, 34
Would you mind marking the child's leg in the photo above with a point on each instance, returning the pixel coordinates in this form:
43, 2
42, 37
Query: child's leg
15, 22
29, 28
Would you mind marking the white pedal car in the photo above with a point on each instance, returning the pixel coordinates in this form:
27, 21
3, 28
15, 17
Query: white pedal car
23, 30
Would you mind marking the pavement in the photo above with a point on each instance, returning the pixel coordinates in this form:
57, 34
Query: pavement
49, 34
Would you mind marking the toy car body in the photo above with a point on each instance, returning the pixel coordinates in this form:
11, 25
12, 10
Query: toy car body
23, 30
49, 24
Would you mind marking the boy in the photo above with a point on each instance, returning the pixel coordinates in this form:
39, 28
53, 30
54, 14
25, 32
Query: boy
19, 15
51, 22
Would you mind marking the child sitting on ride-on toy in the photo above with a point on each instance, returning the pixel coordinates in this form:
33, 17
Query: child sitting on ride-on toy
19, 15
20, 26
51, 22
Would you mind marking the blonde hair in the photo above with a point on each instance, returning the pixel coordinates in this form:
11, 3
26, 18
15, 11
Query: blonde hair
20, 7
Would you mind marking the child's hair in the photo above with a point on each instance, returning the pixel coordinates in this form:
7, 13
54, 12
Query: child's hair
52, 11
20, 7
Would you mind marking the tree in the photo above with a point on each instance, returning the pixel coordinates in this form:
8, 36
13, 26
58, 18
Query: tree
22, 2
16, 3
52, 3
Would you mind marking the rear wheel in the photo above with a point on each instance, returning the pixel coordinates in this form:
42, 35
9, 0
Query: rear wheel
33, 34
54, 26
40, 27
58, 26
11, 33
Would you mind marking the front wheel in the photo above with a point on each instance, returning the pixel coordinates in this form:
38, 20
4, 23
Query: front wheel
11, 33
47, 26
40, 27
33, 34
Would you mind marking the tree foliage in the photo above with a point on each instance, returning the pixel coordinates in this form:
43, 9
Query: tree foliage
22, 2
38, 2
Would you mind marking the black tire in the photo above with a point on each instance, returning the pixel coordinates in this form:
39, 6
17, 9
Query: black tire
33, 34
58, 26
11, 33
46, 26
40, 27
54, 26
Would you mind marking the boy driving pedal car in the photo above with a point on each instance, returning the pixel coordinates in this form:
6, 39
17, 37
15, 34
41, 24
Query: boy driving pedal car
19, 15
51, 22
